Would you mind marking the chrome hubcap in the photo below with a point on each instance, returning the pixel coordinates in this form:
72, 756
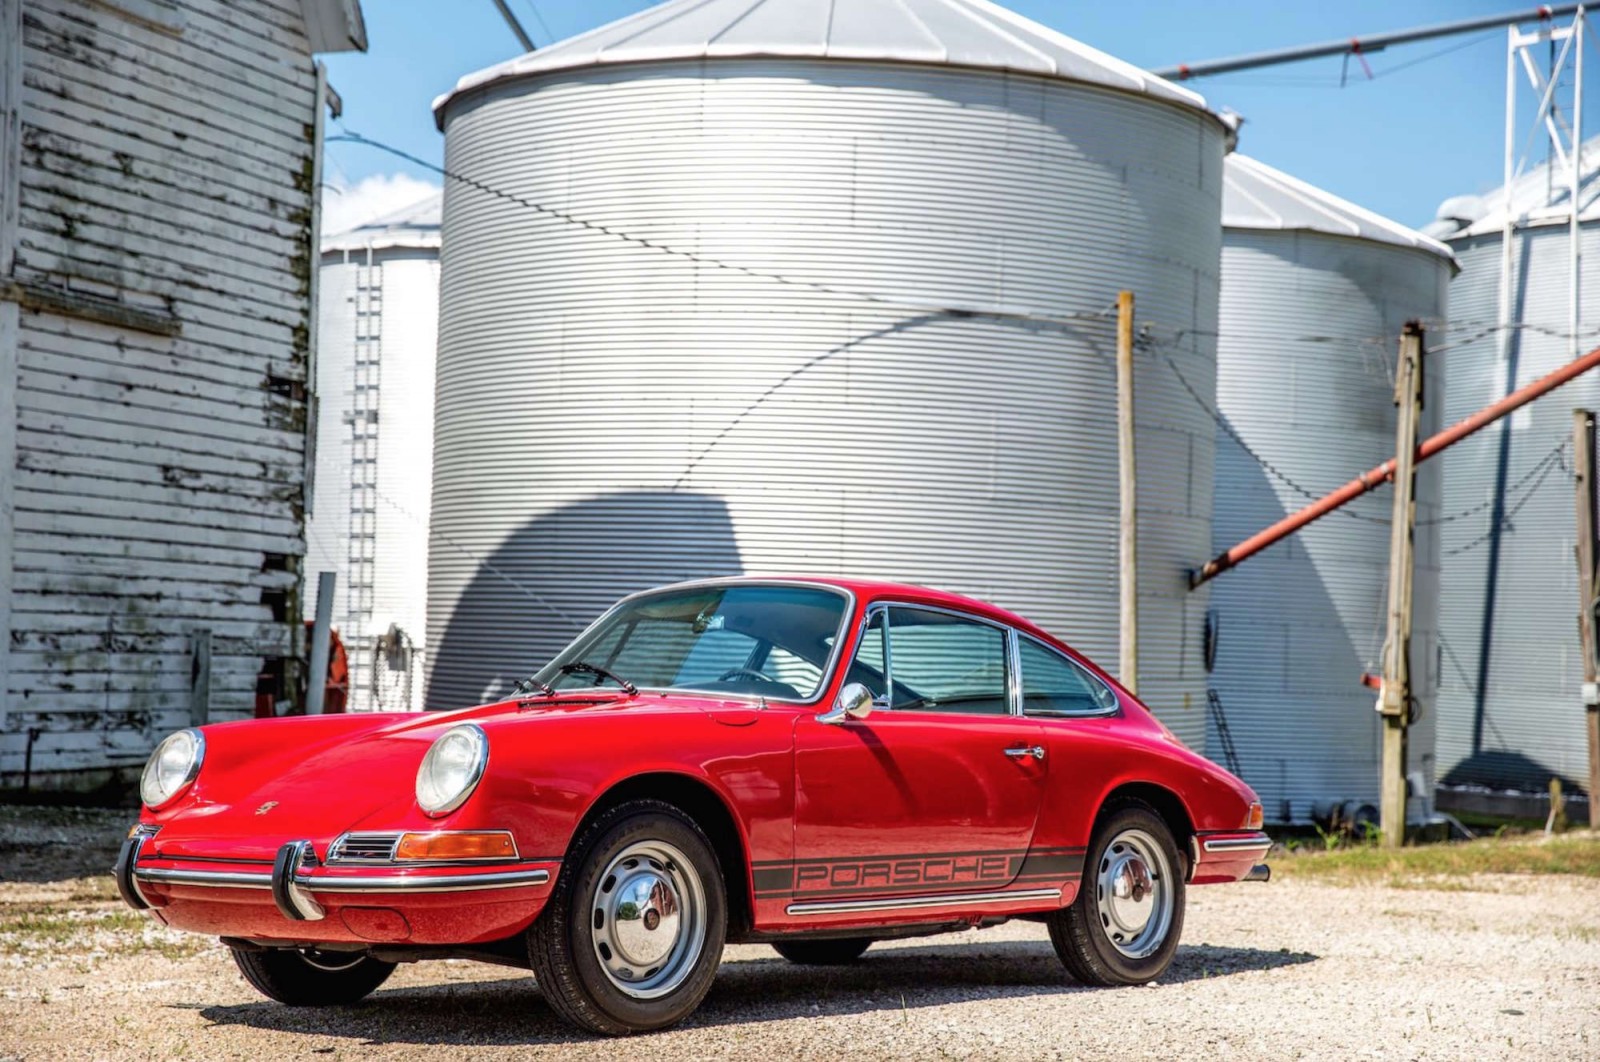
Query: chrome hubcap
1134, 894
648, 915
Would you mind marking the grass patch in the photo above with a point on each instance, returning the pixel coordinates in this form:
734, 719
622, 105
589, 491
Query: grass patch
1365, 864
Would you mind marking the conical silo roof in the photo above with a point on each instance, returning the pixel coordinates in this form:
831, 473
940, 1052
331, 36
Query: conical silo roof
1256, 196
1539, 196
415, 225
964, 33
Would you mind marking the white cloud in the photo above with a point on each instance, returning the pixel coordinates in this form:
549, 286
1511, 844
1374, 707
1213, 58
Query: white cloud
344, 206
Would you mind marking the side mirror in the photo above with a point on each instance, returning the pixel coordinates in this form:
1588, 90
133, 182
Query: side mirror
855, 702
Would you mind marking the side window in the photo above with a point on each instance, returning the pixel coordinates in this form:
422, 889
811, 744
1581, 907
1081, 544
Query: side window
870, 665
941, 662
1054, 685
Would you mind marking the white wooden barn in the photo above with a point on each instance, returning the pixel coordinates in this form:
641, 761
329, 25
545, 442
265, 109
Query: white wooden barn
159, 167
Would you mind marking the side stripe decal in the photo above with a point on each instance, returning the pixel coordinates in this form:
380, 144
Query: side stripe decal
889, 874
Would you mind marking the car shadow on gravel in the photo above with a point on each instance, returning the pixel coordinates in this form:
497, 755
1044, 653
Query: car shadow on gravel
746, 991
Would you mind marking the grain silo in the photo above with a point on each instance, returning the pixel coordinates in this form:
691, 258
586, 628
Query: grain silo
1511, 702
1314, 293
378, 322
792, 285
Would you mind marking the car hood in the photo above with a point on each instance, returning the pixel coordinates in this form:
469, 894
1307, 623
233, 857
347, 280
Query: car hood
267, 782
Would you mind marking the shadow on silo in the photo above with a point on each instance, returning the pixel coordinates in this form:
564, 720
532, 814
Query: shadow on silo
562, 570
1301, 721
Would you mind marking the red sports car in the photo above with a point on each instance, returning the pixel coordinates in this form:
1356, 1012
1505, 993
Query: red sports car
814, 763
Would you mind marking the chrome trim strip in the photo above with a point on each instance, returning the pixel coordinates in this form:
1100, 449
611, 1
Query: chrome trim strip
1238, 844
469, 882
388, 883
912, 902
222, 879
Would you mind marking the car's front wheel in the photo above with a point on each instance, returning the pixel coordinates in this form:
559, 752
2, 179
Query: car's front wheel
631, 937
312, 978
1123, 926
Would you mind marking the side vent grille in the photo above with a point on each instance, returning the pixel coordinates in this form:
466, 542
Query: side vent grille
363, 848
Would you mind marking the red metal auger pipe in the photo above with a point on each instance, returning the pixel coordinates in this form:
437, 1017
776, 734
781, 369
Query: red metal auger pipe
1377, 477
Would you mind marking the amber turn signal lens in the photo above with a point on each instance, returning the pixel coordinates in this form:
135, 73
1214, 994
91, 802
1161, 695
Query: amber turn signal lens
1253, 820
457, 844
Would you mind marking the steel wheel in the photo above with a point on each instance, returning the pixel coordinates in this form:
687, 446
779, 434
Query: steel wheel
649, 916
1134, 894
631, 936
1123, 926
312, 978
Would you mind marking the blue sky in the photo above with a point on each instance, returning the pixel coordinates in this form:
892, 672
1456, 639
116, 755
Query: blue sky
1430, 125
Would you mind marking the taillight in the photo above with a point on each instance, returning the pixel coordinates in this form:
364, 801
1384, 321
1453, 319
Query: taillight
1253, 819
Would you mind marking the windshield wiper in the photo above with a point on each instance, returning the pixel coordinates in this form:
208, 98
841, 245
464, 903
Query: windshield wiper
528, 685
586, 668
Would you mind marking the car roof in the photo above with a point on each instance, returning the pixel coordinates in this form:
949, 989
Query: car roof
869, 590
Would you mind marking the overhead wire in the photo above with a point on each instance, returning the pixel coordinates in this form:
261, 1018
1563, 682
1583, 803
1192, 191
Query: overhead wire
1551, 461
539, 18
1147, 340
661, 247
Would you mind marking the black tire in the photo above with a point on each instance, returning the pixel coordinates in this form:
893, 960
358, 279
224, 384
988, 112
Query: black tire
1082, 932
323, 979
823, 952
562, 940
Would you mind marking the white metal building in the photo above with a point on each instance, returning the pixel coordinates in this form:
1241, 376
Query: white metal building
158, 232
377, 334
1315, 291
1511, 699
796, 285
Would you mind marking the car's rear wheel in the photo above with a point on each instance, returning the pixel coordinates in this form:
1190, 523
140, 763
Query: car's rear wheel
823, 952
1123, 926
631, 937
312, 978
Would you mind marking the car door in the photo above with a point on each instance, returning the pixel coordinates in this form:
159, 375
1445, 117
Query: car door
939, 788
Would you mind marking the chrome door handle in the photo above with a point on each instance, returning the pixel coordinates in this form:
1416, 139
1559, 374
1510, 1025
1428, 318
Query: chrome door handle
1036, 751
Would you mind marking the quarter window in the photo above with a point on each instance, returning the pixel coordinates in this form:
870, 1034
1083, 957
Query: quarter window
1055, 685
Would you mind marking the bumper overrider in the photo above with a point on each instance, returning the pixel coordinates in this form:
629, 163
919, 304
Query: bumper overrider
233, 896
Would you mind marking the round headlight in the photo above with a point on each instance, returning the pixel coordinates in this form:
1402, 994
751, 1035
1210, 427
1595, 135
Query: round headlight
451, 769
172, 766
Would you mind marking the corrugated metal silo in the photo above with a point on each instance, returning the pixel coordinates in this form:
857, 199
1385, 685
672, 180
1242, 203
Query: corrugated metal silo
1314, 293
736, 286
378, 319
1511, 707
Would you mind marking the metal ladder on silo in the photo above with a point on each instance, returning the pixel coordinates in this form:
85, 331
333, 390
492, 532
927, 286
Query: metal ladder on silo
1219, 720
362, 532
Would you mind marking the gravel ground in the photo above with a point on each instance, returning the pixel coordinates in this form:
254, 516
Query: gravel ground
1486, 967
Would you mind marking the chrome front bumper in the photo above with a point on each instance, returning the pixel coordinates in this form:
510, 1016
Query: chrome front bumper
294, 879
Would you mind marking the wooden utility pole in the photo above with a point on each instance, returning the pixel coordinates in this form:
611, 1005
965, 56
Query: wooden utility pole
1128, 536
1395, 694
1583, 439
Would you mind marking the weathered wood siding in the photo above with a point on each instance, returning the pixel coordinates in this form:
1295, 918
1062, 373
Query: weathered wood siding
166, 168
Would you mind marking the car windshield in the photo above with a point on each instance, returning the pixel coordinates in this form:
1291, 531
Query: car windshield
770, 641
